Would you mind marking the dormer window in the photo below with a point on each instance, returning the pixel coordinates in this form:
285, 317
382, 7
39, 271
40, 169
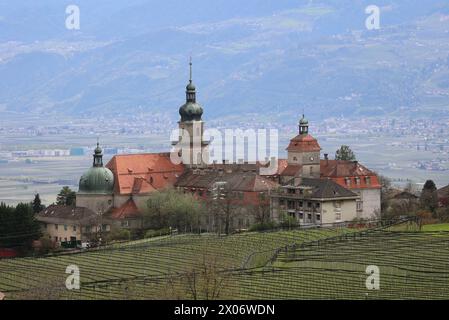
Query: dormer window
348, 181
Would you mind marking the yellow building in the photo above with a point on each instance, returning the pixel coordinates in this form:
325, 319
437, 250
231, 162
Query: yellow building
71, 224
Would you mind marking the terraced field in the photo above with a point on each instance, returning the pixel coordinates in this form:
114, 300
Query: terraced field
412, 265
104, 271
298, 264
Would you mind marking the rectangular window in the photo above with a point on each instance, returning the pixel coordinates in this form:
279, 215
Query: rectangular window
337, 204
368, 180
74, 228
65, 227
300, 204
359, 205
309, 204
317, 205
318, 217
56, 226
291, 205
301, 215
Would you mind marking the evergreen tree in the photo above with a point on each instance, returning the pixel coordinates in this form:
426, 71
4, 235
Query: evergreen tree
37, 204
66, 197
429, 197
18, 226
345, 153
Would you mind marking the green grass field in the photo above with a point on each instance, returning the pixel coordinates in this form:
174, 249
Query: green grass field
436, 227
308, 264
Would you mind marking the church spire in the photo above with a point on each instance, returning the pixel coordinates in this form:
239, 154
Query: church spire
190, 89
190, 79
98, 156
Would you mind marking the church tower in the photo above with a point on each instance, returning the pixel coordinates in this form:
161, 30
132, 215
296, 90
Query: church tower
194, 150
304, 150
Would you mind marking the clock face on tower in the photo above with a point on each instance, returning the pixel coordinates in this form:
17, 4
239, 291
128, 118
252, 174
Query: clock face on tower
311, 158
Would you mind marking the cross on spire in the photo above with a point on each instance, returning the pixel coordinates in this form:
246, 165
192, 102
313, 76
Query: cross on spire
190, 63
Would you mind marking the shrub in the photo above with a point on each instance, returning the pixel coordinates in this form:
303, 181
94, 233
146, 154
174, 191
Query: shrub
426, 217
157, 233
118, 234
288, 221
263, 226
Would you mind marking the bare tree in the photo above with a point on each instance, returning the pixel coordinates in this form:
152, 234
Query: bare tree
223, 207
206, 280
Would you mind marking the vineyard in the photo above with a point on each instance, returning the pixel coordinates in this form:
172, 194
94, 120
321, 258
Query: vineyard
322, 263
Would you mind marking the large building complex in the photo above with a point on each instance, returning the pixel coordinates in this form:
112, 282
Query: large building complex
305, 186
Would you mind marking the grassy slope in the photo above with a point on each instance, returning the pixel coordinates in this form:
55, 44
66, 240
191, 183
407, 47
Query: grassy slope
151, 258
412, 265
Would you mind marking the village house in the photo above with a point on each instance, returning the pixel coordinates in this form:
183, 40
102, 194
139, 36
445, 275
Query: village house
67, 224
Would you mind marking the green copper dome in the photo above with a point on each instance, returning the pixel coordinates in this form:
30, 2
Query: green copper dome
98, 179
190, 111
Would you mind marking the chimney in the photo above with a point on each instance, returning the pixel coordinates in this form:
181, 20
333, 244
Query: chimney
326, 157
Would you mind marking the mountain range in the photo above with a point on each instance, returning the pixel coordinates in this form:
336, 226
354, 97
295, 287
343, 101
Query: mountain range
249, 57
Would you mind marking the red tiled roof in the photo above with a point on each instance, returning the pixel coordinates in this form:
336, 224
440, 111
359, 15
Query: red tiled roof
340, 170
128, 210
237, 180
303, 143
292, 170
143, 173
282, 165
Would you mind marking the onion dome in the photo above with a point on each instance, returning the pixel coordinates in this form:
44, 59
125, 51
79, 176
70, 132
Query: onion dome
191, 110
98, 179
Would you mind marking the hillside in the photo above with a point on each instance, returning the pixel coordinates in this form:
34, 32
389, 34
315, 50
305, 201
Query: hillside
265, 58
296, 264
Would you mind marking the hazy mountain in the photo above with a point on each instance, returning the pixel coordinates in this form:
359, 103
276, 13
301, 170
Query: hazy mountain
249, 56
